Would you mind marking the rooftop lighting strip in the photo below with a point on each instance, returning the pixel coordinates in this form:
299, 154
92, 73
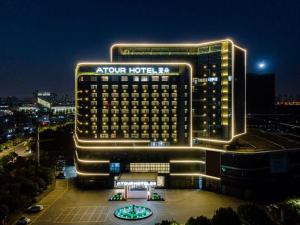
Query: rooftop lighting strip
90, 161
165, 45
187, 161
195, 175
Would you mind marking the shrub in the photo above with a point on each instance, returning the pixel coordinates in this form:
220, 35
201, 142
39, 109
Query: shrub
201, 220
253, 215
226, 216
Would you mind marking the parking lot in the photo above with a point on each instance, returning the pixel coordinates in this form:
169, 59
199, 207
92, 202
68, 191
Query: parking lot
83, 214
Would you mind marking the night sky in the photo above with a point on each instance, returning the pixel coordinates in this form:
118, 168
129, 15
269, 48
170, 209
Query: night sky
41, 41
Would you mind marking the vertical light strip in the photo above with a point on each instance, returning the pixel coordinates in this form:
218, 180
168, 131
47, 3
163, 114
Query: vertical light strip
232, 92
191, 105
245, 90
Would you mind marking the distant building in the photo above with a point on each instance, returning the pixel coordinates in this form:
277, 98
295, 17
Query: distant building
260, 93
9, 101
48, 102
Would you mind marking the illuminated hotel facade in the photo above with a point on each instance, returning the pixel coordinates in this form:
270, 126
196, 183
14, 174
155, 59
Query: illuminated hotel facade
159, 108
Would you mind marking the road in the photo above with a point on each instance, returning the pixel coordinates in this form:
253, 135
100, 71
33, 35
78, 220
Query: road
71, 206
20, 149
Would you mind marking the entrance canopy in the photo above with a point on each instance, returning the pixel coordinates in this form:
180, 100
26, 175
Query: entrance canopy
137, 179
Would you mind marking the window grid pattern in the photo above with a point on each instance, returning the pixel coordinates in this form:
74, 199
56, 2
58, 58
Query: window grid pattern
150, 167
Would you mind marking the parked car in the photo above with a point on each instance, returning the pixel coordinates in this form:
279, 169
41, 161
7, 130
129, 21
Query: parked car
61, 175
23, 221
35, 208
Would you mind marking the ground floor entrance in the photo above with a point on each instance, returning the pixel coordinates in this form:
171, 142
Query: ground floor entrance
137, 185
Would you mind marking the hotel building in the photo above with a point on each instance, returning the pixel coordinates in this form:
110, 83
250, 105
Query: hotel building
219, 72
159, 109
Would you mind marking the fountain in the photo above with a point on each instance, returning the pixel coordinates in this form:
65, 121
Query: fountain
133, 212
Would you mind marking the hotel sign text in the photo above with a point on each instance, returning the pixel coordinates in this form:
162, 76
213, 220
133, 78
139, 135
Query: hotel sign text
132, 70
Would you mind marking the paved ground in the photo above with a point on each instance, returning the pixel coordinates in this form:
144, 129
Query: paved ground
71, 206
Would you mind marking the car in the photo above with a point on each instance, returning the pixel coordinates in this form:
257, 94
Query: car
23, 221
35, 208
61, 175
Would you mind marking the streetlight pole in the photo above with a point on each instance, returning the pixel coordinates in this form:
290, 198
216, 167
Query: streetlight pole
38, 145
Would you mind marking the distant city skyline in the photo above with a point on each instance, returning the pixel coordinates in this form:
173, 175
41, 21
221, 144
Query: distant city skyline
40, 43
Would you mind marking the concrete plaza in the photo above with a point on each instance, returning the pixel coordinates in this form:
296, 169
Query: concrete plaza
70, 205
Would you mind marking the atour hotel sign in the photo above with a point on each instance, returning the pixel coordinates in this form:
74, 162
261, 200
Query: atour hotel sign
136, 70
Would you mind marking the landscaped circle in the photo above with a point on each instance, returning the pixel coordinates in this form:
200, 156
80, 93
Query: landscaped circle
133, 212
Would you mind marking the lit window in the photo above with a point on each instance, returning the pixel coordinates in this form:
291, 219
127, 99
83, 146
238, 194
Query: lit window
104, 78
155, 78
144, 79
165, 78
124, 78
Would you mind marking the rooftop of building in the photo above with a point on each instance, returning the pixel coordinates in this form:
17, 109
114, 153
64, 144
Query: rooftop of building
259, 140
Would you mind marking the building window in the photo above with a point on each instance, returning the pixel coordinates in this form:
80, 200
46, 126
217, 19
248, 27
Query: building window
150, 167
155, 87
104, 78
136, 78
155, 78
165, 87
165, 78
93, 102
144, 79
124, 78
114, 167
93, 78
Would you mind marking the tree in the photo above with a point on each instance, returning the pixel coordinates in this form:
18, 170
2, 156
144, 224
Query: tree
3, 213
291, 212
201, 220
251, 214
29, 187
226, 216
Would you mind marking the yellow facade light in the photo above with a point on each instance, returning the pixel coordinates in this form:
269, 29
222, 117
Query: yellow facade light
187, 161
195, 175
